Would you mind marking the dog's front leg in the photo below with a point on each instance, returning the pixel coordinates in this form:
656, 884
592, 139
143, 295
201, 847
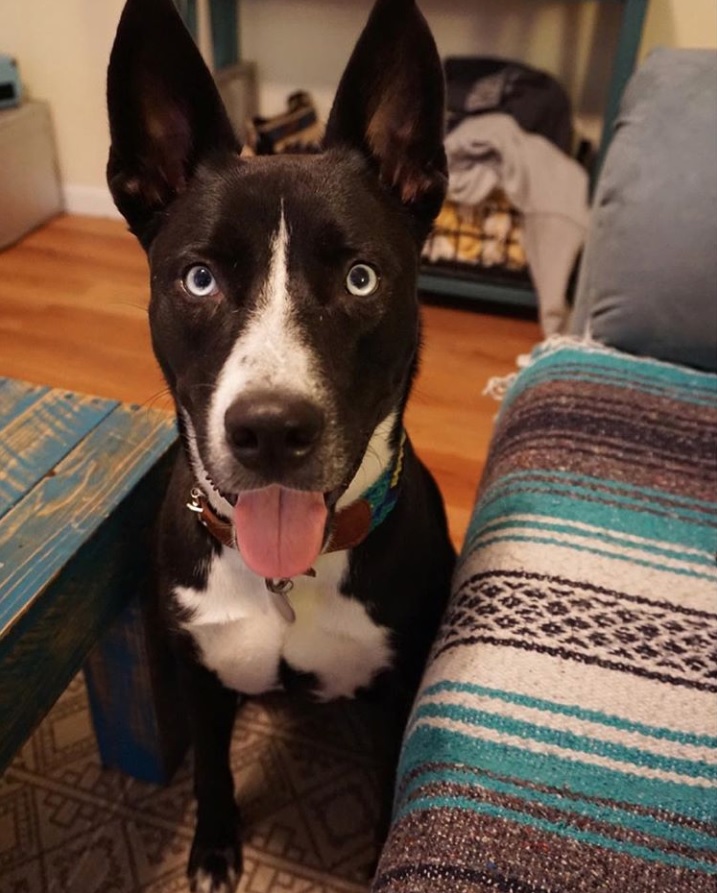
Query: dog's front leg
215, 861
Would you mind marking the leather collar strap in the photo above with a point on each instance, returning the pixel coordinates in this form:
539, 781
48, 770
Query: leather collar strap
351, 525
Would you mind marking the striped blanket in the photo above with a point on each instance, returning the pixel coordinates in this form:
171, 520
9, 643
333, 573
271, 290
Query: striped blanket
565, 737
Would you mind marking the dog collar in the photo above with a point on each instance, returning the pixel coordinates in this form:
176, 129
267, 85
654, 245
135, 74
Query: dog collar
351, 525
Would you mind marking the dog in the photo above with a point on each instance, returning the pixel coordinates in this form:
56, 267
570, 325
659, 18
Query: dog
302, 544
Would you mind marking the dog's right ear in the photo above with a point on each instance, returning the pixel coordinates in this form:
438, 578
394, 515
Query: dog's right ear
166, 115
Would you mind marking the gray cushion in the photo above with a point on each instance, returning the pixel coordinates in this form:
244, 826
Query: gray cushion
648, 281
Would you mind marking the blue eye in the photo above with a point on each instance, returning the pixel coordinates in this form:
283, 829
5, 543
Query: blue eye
362, 280
199, 281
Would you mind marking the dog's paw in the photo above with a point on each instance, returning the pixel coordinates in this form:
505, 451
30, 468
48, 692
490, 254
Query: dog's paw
214, 870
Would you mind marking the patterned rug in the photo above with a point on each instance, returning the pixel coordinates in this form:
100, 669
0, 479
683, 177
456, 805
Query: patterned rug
304, 781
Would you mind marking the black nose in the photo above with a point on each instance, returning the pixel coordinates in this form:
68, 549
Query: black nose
273, 433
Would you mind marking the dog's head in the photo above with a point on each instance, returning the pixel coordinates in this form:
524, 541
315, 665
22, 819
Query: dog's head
283, 310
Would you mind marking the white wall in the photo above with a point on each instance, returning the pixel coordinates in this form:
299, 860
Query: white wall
63, 46
307, 43
680, 23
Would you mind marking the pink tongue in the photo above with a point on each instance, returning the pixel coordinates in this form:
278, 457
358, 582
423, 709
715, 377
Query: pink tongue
280, 532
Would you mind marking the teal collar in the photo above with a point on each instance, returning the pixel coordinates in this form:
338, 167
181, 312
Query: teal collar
352, 524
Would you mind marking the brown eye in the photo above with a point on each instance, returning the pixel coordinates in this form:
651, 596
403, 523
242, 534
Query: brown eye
362, 280
199, 281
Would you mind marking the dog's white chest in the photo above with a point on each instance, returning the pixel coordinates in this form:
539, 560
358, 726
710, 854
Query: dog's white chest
243, 635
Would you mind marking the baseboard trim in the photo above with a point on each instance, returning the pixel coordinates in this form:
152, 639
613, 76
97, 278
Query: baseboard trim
94, 201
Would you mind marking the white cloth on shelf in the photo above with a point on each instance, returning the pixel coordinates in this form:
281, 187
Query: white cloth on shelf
546, 185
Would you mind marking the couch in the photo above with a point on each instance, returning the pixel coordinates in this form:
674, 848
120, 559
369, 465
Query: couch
565, 734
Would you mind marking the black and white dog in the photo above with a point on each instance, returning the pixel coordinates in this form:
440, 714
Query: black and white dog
302, 544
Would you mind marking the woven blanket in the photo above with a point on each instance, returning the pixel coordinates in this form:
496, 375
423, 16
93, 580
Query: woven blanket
565, 737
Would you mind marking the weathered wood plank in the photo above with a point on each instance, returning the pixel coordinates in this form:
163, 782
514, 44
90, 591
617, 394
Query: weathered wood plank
17, 396
42, 533
47, 645
132, 683
40, 433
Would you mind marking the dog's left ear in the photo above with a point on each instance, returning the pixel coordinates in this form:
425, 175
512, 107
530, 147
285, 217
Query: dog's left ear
390, 106
166, 115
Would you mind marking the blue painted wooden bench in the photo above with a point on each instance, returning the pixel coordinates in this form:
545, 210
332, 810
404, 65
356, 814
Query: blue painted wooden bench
81, 480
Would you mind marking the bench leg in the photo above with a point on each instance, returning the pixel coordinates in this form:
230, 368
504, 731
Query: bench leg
132, 688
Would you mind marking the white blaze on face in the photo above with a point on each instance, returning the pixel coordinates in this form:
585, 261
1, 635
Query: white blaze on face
279, 531
269, 353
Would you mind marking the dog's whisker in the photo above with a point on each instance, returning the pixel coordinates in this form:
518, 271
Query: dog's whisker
131, 304
162, 395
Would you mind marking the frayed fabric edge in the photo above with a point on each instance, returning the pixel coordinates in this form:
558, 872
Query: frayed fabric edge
498, 386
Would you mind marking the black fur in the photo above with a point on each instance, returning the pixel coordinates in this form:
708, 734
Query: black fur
176, 176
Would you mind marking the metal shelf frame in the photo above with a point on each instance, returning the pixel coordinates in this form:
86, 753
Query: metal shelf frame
628, 45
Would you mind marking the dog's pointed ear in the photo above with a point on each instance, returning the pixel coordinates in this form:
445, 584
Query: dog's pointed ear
390, 106
165, 113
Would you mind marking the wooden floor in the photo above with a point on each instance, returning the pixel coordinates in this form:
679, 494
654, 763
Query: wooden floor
73, 299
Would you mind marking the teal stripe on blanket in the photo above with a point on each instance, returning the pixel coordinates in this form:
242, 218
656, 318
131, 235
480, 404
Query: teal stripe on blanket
608, 843
645, 384
665, 505
603, 366
552, 541
609, 814
576, 502
580, 744
506, 520
430, 744
594, 716
585, 357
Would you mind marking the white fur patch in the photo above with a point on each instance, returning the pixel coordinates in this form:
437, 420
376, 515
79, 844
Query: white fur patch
202, 882
236, 625
269, 354
374, 462
334, 636
243, 636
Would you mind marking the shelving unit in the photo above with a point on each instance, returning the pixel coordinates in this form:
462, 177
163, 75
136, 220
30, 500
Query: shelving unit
477, 286
449, 281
